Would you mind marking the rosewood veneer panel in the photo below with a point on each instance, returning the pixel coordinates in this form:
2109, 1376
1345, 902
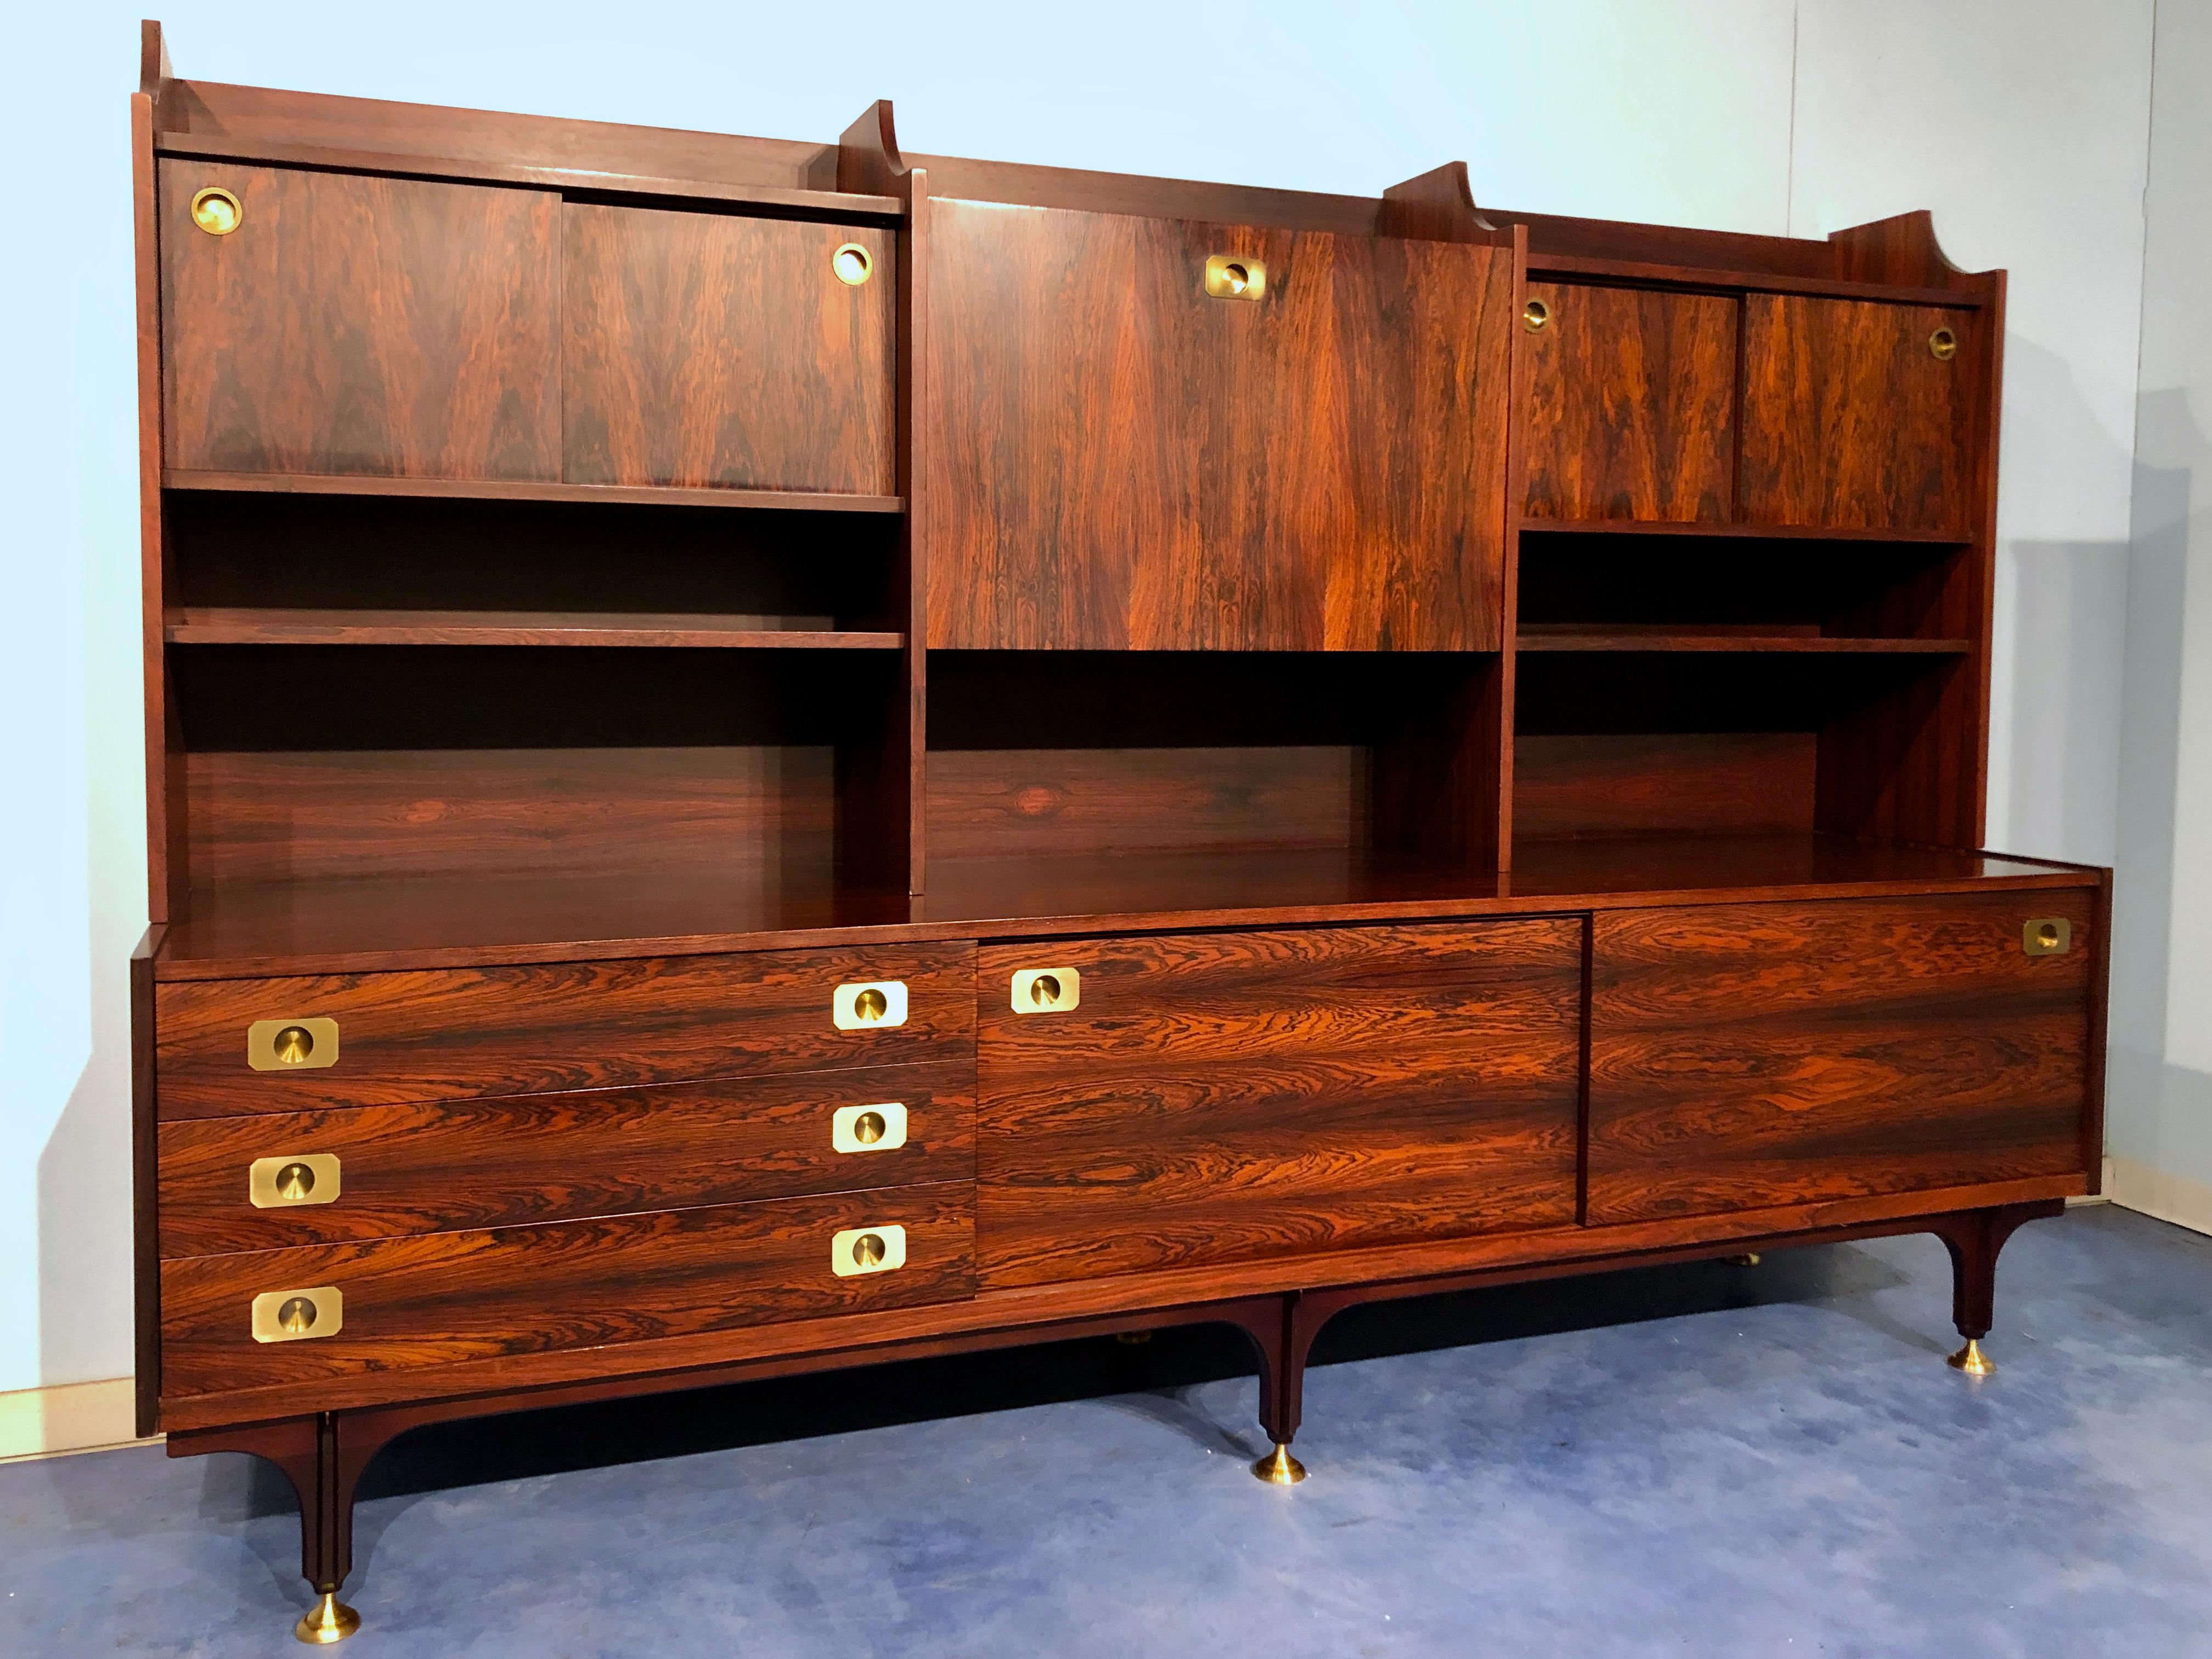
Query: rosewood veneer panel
503, 1291
470, 1033
1631, 411
1223, 1097
359, 325
1850, 422
710, 349
1118, 460
1743, 1055
440, 1165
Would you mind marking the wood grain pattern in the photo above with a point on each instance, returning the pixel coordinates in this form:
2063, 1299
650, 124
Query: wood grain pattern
1631, 406
1848, 420
1233, 1096
644, 629
530, 1030
356, 324
1628, 783
716, 349
444, 1165
1119, 460
1759, 1054
416, 1304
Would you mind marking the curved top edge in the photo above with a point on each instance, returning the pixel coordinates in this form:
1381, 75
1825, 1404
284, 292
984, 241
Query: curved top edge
1902, 250
1436, 206
868, 159
153, 58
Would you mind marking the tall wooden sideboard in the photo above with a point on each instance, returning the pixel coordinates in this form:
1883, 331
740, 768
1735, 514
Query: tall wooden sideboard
768, 756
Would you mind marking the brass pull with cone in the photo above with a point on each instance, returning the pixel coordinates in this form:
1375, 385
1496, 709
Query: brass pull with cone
1233, 277
1943, 345
868, 1005
880, 1127
276, 1183
851, 265
2047, 936
291, 1045
298, 1315
1534, 315
216, 211
859, 1251
1047, 990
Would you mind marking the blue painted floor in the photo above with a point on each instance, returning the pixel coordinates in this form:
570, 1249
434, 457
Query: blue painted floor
1707, 1460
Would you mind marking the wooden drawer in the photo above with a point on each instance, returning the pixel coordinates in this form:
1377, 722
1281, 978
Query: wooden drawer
432, 1166
410, 1302
463, 1034
1752, 1054
1218, 1097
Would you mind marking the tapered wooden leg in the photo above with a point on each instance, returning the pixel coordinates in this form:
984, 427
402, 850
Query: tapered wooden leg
306, 1449
1974, 1239
1284, 1343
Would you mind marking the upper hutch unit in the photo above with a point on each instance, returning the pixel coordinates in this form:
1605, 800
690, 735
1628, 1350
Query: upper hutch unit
772, 754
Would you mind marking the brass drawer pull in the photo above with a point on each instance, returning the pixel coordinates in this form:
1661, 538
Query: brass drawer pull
291, 1045
859, 1251
1047, 990
2047, 936
1534, 315
275, 1183
878, 1128
1232, 276
850, 265
1943, 345
298, 1315
216, 211
868, 1005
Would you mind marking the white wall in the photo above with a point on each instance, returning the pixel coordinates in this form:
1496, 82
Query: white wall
2161, 1103
2020, 124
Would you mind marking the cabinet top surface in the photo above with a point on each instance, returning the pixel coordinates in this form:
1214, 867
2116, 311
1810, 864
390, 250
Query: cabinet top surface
339, 925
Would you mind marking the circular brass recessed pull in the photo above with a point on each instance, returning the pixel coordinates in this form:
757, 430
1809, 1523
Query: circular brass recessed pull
868, 1250
851, 265
1943, 345
293, 1045
297, 1315
216, 211
1235, 277
295, 1182
1044, 990
871, 1004
1534, 315
2047, 936
868, 1128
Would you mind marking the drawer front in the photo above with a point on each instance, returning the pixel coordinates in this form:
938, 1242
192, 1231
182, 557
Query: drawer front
1223, 1097
467, 1034
404, 1303
381, 1171
1744, 1055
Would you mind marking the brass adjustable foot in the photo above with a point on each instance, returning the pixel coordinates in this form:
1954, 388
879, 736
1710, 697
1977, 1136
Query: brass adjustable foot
328, 1620
1972, 1360
1279, 1468
1132, 1339
1748, 1259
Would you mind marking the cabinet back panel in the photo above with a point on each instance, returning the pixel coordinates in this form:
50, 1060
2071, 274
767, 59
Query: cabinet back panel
1616, 783
358, 324
1118, 460
708, 349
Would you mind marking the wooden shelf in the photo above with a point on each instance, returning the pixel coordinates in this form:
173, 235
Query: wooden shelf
1786, 532
533, 627
508, 490
1742, 641
1758, 281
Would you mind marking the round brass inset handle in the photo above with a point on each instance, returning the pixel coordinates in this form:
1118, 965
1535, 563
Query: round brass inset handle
1235, 277
1943, 345
871, 1004
297, 1315
851, 265
1044, 990
216, 211
868, 1250
2046, 935
1534, 315
293, 1045
868, 1128
295, 1182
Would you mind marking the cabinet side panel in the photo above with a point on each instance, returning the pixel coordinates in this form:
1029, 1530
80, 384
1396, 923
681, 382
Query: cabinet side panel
360, 324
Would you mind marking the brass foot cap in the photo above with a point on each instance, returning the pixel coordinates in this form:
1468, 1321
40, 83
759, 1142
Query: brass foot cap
1279, 1468
1132, 1339
328, 1620
1749, 1258
1972, 1360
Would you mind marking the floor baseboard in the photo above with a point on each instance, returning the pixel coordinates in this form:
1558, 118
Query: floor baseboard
67, 1417
2168, 1197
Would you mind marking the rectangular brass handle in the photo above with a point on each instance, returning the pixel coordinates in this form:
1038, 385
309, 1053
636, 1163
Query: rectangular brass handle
878, 1128
1047, 990
276, 1183
868, 1005
1236, 276
859, 1250
292, 1045
298, 1315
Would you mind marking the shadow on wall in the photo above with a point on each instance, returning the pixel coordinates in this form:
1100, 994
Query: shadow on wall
84, 1205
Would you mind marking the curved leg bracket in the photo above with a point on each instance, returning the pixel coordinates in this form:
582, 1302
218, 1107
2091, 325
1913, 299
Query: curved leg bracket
1973, 1238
